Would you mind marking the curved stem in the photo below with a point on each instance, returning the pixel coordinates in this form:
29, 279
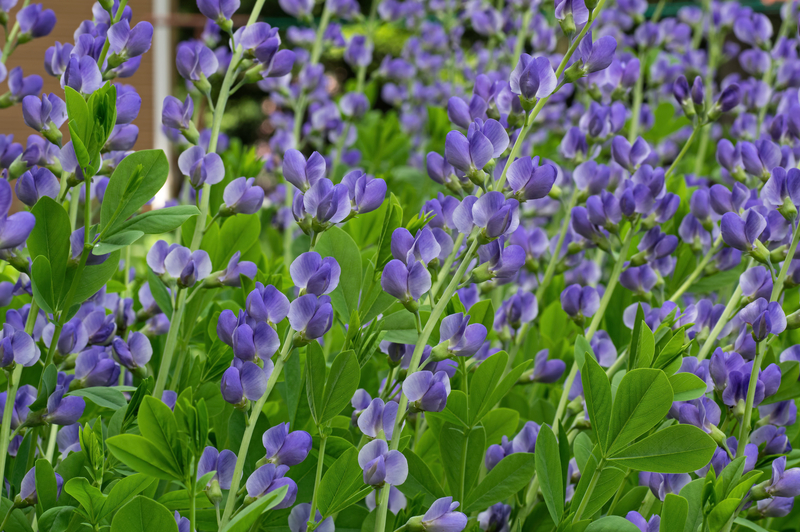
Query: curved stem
169, 346
687, 284
13, 385
448, 263
312, 522
744, 430
107, 44
787, 262
686, 146
638, 96
588, 495
733, 302
251, 426
555, 255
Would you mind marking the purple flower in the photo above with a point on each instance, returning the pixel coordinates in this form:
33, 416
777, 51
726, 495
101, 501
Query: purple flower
17, 346
498, 262
45, 115
780, 413
405, 282
21, 86
703, 413
742, 232
36, 183
463, 338
186, 266
771, 439
25, 397
442, 517
492, 212
354, 105
245, 380
231, 276
134, 353
324, 203
95, 367
301, 173
286, 448
297, 8
34, 21
27, 490
73, 337
598, 55
753, 28
462, 113
247, 337
724, 200
382, 466
82, 74
775, 507
358, 52
784, 483
195, 62
580, 302
376, 417
495, 518
533, 78
756, 283
310, 317
366, 193
201, 168
765, 318
299, 516
643, 524
126, 42
221, 463
219, 11
178, 115
518, 309
68, 439
242, 196
782, 191
484, 141
63, 410
56, 58
544, 370
663, 483
314, 275
423, 247
529, 181
427, 392
122, 138
269, 478
640, 279
760, 158
267, 304
629, 156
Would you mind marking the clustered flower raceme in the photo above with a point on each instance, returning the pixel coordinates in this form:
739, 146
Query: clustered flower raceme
629, 217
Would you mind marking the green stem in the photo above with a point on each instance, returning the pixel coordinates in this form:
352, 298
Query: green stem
7, 49
251, 426
638, 95
522, 34
733, 302
73, 207
686, 146
448, 263
107, 44
618, 363
555, 256
787, 262
169, 346
589, 490
192, 503
13, 385
687, 284
744, 430
312, 522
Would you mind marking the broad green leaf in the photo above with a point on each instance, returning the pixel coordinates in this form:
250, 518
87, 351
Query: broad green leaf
123, 491
238, 233
498, 423
55, 519
44, 291
582, 448
137, 178
608, 482
636, 336
340, 386
391, 221
482, 312
676, 449
92, 499
93, 278
159, 291
597, 391
158, 221
643, 399
46, 487
144, 515
647, 347
77, 110
315, 380
17, 521
341, 483
510, 475
548, 471
722, 513
50, 237
504, 386
462, 453
337, 244
484, 382
245, 519
612, 523
420, 480
582, 348
105, 397
687, 386
116, 241
692, 492
141, 455
741, 521
673, 513
157, 423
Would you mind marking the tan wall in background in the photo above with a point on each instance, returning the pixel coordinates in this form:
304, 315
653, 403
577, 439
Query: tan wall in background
70, 13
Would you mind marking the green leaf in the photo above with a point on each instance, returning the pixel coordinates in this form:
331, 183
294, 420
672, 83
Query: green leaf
123, 491
582, 348
582, 447
391, 221
158, 221
53, 520
612, 523
315, 380
482, 312
636, 336
141, 455
137, 178
157, 423
245, 519
505, 385
741, 521
50, 237
77, 110
498, 423
340, 386
673, 513
420, 480
548, 471
17, 521
676, 449
42, 284
597, 391
116, 241
609, 480
337, 244
643, 398
693, 492
93, 278
341, 482
144, 515
104, 397
505, 479
722, 513
484, 382
647, 347
159, 291
46, 486
91, 498
462, 452
687, 386
238, 233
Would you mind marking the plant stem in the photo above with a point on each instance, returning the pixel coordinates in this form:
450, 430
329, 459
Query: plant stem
13, 385
380, 520
107, 44
687, 284
588, 495
744, 430
638, 91
733, 302
251, 426
448, 263
7, 49
686, 146
169, 346
549, 272
312, 522
787, 262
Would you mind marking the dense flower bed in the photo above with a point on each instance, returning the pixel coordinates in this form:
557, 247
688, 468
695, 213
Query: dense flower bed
583, 321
